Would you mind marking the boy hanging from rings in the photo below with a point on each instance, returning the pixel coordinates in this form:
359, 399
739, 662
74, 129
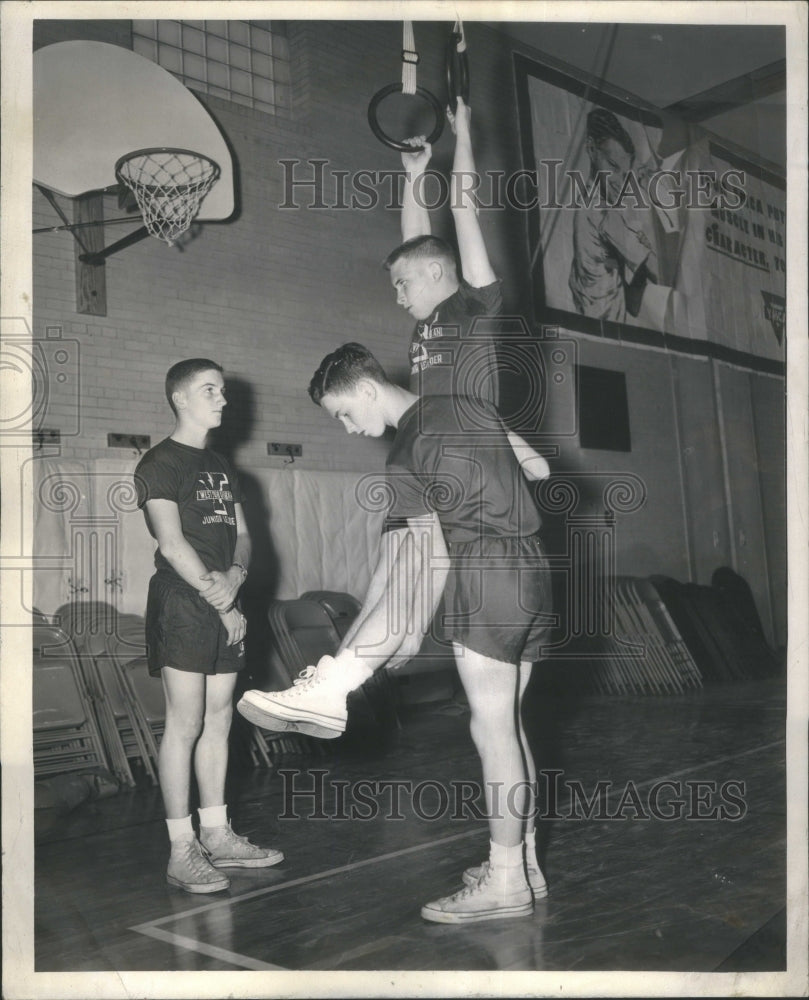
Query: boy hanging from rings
194, 630
452, 350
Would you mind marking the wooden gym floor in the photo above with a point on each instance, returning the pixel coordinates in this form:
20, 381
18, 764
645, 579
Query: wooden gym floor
625, 894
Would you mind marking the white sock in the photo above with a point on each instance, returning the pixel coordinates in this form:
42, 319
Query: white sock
507, 867
531, 849
213, 816
180, 829
505, 857
351, 669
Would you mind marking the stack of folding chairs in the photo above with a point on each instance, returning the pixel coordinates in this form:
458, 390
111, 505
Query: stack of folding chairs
643, 651
659, 636
632, 646
129, 703
721, 626
66, 735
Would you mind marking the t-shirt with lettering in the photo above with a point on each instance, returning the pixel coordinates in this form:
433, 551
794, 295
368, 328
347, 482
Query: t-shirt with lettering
452, 353
205, 488
451, 456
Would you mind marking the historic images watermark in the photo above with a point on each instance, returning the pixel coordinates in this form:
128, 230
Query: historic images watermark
314, 794
317, 184
41, 384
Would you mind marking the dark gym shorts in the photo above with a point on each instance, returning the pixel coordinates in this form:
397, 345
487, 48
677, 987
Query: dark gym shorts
183, 631
497, 599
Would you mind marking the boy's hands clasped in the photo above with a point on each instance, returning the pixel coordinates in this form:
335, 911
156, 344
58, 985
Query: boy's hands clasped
222, 587
236, 625
221, 594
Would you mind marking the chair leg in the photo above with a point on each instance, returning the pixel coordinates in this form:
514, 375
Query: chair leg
259, 748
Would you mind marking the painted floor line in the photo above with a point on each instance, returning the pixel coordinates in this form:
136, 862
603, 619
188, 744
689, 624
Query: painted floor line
233, 957
152, 928
277, 887
709, 763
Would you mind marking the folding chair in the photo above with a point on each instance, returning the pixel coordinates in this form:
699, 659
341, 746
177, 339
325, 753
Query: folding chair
65, 733
674, 647
343, 608
146, 694
304, 630
108, 640
138, 700
684, 602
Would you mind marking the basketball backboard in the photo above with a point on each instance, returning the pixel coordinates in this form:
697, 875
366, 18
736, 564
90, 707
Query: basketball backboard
95, 102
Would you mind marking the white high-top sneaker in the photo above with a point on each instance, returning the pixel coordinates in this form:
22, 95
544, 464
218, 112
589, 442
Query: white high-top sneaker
536, 880
315, 704
190, 869
497, 894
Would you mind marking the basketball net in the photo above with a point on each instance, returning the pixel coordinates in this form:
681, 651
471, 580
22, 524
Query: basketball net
169, 185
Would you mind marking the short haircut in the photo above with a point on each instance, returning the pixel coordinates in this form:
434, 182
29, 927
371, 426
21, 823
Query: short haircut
602, 124
183, 372
341, 370
422, 248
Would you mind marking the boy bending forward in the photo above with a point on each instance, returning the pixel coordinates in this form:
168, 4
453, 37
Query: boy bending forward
463, 520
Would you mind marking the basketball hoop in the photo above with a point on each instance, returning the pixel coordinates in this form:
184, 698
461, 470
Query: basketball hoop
169, 185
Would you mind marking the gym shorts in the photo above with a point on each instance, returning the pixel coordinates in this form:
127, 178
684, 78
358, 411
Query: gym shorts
183, 631
497, 599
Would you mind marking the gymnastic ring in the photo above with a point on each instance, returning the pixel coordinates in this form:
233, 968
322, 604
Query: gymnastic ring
457, 71
404, 147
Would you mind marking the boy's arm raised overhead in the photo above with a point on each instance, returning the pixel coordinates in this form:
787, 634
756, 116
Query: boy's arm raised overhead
475, 264
415, 219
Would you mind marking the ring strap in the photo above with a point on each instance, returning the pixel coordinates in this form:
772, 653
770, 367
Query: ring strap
458, 29
409, 59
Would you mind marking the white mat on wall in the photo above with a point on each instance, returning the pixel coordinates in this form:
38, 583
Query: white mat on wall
90, 541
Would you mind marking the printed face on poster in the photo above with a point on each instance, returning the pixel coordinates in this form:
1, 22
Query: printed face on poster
642, 219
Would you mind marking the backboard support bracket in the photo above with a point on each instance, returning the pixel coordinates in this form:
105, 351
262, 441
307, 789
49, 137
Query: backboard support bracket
90, 252
96, 258
91, 278
48, 195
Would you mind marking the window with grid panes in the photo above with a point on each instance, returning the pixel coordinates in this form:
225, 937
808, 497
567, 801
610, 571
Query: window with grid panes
246, 62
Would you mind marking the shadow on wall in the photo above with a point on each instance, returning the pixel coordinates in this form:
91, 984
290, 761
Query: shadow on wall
261, 584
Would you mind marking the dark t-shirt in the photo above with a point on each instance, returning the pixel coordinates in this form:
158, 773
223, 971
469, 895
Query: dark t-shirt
452, 456
205, 489
451, 354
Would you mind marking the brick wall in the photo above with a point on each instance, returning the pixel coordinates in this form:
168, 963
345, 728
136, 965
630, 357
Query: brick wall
269, 293
272, 291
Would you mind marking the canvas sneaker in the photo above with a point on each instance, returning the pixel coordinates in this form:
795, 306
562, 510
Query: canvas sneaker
315, 705
490, 898
226, 849
189, 869
536, 880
